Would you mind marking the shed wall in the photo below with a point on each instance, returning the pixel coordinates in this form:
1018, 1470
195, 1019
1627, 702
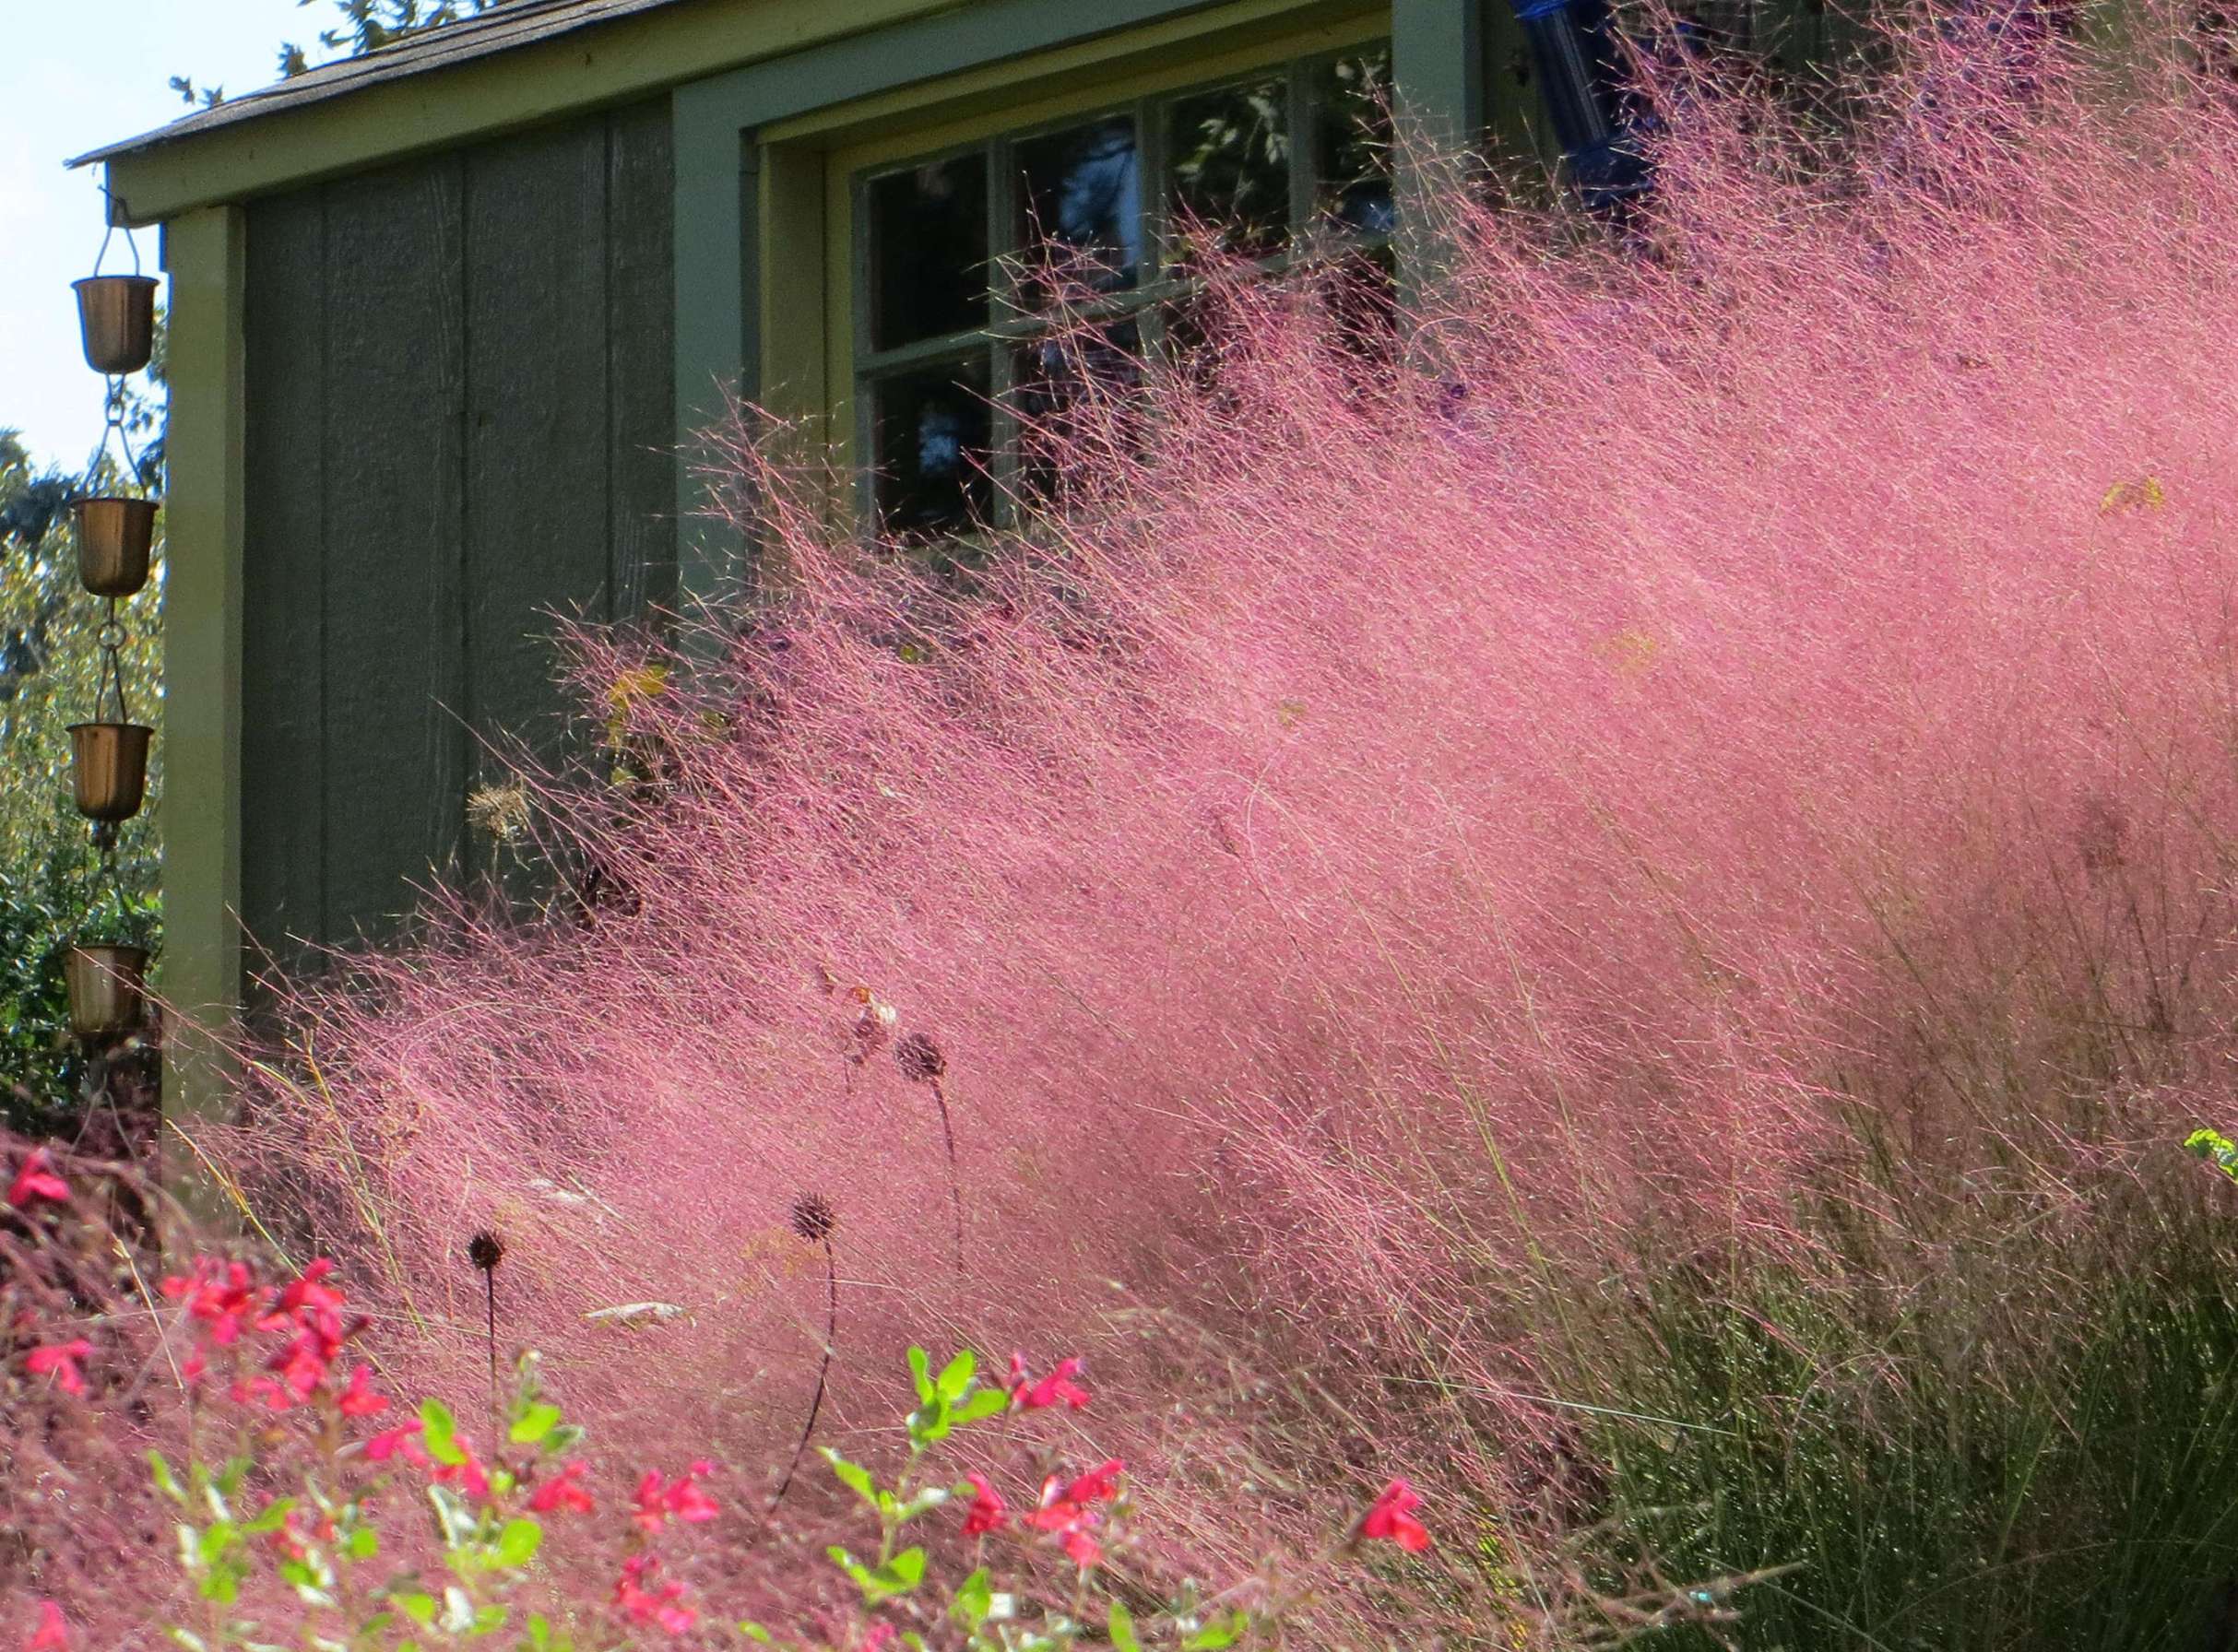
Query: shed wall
460, 426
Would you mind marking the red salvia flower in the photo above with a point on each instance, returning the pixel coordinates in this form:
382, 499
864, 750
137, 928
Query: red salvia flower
1099, 1484
53, 1632
36, 1180
360, 1400
657, 1604
467, 1474
686, 1500
223, 1296
566, 1491
311, 1302
400, 1441
59, 1359
988, 1511
1391, 1516
1057, 1388
1065, 1510
878, 1635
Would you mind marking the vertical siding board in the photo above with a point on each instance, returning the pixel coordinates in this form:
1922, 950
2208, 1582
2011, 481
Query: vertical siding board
537, 438
640, 213
395, 651
282, 753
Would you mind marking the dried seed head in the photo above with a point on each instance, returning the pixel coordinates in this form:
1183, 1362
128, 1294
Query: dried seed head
918, 1057
813, 1218
486, 1250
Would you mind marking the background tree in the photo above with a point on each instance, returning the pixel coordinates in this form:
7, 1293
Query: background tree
52, 884
363, 26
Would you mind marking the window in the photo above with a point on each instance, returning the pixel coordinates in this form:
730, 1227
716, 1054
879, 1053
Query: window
953, 339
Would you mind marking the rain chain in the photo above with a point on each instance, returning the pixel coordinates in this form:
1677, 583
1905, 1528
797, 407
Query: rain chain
109, 754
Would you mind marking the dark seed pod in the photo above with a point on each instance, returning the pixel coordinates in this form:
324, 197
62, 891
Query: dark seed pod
918, 1057
486, 1250
813, 1218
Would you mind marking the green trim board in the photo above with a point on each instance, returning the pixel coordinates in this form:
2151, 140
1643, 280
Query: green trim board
206, 253
615, 63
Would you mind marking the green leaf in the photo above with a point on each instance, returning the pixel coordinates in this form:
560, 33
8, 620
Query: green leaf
517, 1544
362, 1543
189, 1639
420, 1608
955, 1377
564, 1439
534, 1423
897, 1576
920, 1372
274, 1517
975, 1596
987, 1402
904, 1572
1224, 1631
1122, 1628
753, 1631
166, 1481
439, 1433
854, 1476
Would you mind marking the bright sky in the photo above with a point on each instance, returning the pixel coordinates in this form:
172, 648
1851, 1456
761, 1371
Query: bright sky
75, 75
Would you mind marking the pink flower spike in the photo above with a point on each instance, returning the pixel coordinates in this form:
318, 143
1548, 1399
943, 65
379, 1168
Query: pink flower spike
360, 1400
36, 1180
987, 1512
59, 1359
53, 1632
1391, 1516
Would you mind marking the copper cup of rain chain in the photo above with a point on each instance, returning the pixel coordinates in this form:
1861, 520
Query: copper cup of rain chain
107, 987
116, 317
109, 768
113, 538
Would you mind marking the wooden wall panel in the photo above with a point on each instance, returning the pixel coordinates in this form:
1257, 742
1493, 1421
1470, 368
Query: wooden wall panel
536, 431
394, 653
640, 287
283, 619
460, 411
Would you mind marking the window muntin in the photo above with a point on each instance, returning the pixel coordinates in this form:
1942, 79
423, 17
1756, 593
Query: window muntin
1283, 163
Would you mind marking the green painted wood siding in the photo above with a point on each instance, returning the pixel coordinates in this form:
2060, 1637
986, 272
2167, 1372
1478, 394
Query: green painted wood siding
460, 423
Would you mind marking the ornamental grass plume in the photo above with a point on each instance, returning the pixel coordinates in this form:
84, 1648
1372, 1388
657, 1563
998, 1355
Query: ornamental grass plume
1628, 878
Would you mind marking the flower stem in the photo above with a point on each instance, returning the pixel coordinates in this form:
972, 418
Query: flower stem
823, 1370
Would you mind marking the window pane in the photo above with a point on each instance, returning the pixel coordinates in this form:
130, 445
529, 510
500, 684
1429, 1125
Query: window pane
1352, 109
1231, 166
928, 262
1055, 377
1080, 201
934, 430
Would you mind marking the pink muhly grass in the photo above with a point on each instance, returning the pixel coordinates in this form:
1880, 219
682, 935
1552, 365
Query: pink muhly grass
1700, 715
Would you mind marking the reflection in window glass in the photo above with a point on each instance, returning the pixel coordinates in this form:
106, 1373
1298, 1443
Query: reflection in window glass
1230, 165
934, 435
1054, 375
1352, 107
1079, 200
928, 255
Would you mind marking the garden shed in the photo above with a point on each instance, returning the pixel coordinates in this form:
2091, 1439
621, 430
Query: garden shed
441, 315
